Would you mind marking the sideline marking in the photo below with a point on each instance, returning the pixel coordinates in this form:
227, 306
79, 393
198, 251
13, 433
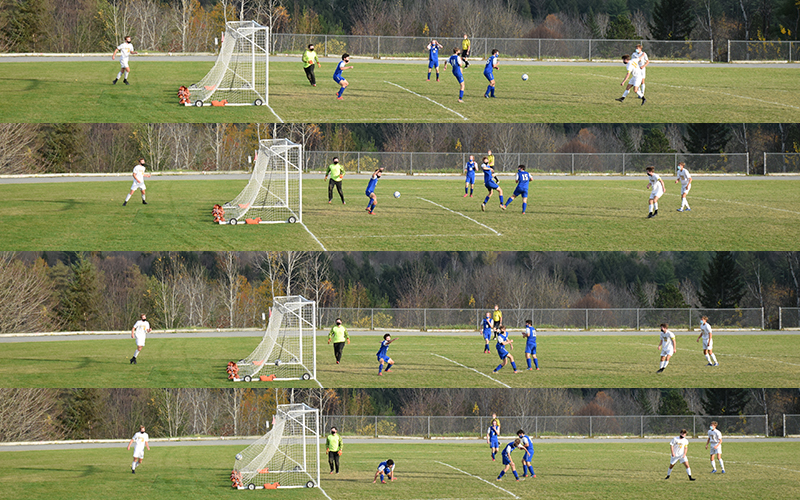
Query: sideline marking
462, 215
315, 238
473, 369
428, 98
323, 492
280, 120
476, 477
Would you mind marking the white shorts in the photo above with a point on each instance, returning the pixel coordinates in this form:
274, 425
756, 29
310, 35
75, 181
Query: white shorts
636, 80
657, 191
140, 340
123, 62
138, 452
643, 71
685, 189
675, 460
137, 185
714, 451
667, 350
708, 344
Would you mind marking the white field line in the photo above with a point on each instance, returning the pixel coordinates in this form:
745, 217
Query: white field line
280, 120
723, 201
462, 215
323, 492
473, 369
733, 462
315, 238
403, 236
734, 355
478, 478
428, 98
683, 87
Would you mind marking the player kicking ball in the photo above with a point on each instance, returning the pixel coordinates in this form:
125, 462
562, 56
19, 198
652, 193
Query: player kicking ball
506, 455
384, 468
708, 341
139, 440
678, 448
505, 356
125, 49
139, 332
667, 346
383, 355
656, 185
138, 182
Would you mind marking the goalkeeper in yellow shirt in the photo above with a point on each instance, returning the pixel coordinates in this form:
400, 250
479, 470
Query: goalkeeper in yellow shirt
465, 50
309, 58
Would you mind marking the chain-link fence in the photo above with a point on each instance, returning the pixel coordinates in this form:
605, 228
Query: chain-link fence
548, 163
791, 425
512, 48
567, 319
549, 426
789, 318
781, 163
763, 50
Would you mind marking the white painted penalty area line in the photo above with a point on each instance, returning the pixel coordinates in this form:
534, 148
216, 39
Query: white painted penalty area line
315, 238
323, 492
279, 119
473, 369
462, 215
428, 98
727, 201
478, 478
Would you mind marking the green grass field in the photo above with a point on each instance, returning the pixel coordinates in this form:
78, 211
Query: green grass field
431, 214
82, 92
421, 361
425, 471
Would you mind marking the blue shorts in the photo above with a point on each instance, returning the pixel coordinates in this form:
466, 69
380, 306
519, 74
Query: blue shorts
368, 193
471, 178
530, 349
502, 352
528, 455
487, 334
494, 442
459, 77
433, 64
521, 192
506, 459
489, 75
338, 79
385, 357
491, 185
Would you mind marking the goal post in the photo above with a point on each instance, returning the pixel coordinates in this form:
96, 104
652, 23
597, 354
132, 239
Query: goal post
286, 457
274, 192
240, 76
288, 350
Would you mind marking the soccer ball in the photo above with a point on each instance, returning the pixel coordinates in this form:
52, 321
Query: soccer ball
277, 362
397, 194
238, 456
525, 77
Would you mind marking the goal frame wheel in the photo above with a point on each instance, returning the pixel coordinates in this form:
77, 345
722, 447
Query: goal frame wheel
292, 219
247, 378
233, 222
306, 376
258, 102
310, 484
251, 486
198, 103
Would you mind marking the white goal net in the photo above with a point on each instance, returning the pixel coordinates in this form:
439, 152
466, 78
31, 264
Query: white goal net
274, 192
240, 74
288, 350
286, 457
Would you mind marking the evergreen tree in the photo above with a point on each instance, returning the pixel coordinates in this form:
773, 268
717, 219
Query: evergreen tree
82, 414
78, 307
707, 137
669, 297
655, 141
62, 146
621, 28
25, 29
673, 403
672, 20
725, 401
722, 285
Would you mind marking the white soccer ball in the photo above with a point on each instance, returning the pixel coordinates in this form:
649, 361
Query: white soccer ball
238, 456
277, 362
397, 194
525, 77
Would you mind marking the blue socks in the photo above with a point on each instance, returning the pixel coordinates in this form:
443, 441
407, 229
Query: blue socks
341, 91
529, 363
486, 200
488, 89
492, 90
466, 190
515, 474
460, 94
530, 468
470, 191
498, 367
514, 366
380, 369
508, 201
429, 75
493, 454
501, 199
502, 473
536, 362
524, 207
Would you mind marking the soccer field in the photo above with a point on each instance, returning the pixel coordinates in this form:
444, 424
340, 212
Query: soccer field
424, 471
431, 214
69, 91
590, 361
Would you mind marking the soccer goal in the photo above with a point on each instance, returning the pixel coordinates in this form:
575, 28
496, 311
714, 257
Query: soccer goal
240, 75
288, 350
274, 192
286, 457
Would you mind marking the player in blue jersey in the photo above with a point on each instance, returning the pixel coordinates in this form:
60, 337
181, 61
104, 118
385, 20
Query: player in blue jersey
522, 179
383, 355
505, 356
370, 192
506, 454
337, 75
488, 72
493, 438
490, 181
456, 62
433, 58
486, 328
470, 168
527, 443
530, 344
387, 468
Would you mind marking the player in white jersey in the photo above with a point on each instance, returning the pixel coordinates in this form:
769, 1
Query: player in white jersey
657, 190
708, 341
635, 75
125, 49
138, 182
715, 440
685, 178
678, 448
139, 332
641, 59
139, 441
667, 346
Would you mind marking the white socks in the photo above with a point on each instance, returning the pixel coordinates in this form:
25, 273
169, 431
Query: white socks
640, 93
642, 88
684, 203
119, 75
625, 94
143, 197
689, 471
664, 364
714, 358
133, 465
655, 205
708, 358
651, 208
669, 472
136, 354
721, 465
127, 198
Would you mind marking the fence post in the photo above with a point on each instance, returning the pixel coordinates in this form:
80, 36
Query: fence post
711, 55
411, 164
429, 426
762, 319
590, 49
766, 425
587, 320
765, 163
376, 427
748, 162
358, 162
641, 426
573, 163
379, 47
372, 319
425, 320
623, 163
590, 426
784, 425
729, 50
690, 319
540, 50
536, 425
637, 319
694, 426
780, 318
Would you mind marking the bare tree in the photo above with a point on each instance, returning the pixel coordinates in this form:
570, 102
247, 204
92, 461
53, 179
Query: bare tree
314, 275
231, 284
28, 414
16, 144
172, 410
26, 296
232, 402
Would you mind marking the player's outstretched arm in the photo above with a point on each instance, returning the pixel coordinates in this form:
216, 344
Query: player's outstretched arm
129, 444
114, 55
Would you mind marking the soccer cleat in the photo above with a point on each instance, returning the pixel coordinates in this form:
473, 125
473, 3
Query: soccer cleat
115, 81
709, 364
470, 196
465, 195
486, 95
716, 364
125, 81
483, 207
340, 98
620, 99
530, 369
502, 207
655, 212
331, 472
650, 215
691, 478
688, 209
144, 202
132, 360
666, 477
723, 471
133, 471
124, 203
380, 374
537, 369
387, 370
460, 100
644, 101
337, 362
714, 471
659, 370
679, 210
313, 84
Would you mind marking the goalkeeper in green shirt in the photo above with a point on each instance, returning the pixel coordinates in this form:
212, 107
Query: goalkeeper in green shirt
336, 173
334, 445
338, 336
309, 58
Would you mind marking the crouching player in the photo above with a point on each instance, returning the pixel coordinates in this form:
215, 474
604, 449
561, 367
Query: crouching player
505, 357
383, 355
384, 468
527, 442
506, 454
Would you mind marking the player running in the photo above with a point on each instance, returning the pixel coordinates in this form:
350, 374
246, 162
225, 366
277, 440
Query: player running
639, 56
138, 182
386, 468
139, 332
667, 346
505, 356
125, 49
685, 178
530, 344
678, 448
658, 190
469, 169
338, 77
635, 75
433, 58
527, 444
486, 328
489, 180
370, 192
522, 179
139, 440
493, 438
715, 440
456, 63
506, 454
708, 341
488, 72
383, 355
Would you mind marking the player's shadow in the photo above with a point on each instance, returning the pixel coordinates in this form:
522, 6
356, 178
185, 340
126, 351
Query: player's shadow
33, 84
